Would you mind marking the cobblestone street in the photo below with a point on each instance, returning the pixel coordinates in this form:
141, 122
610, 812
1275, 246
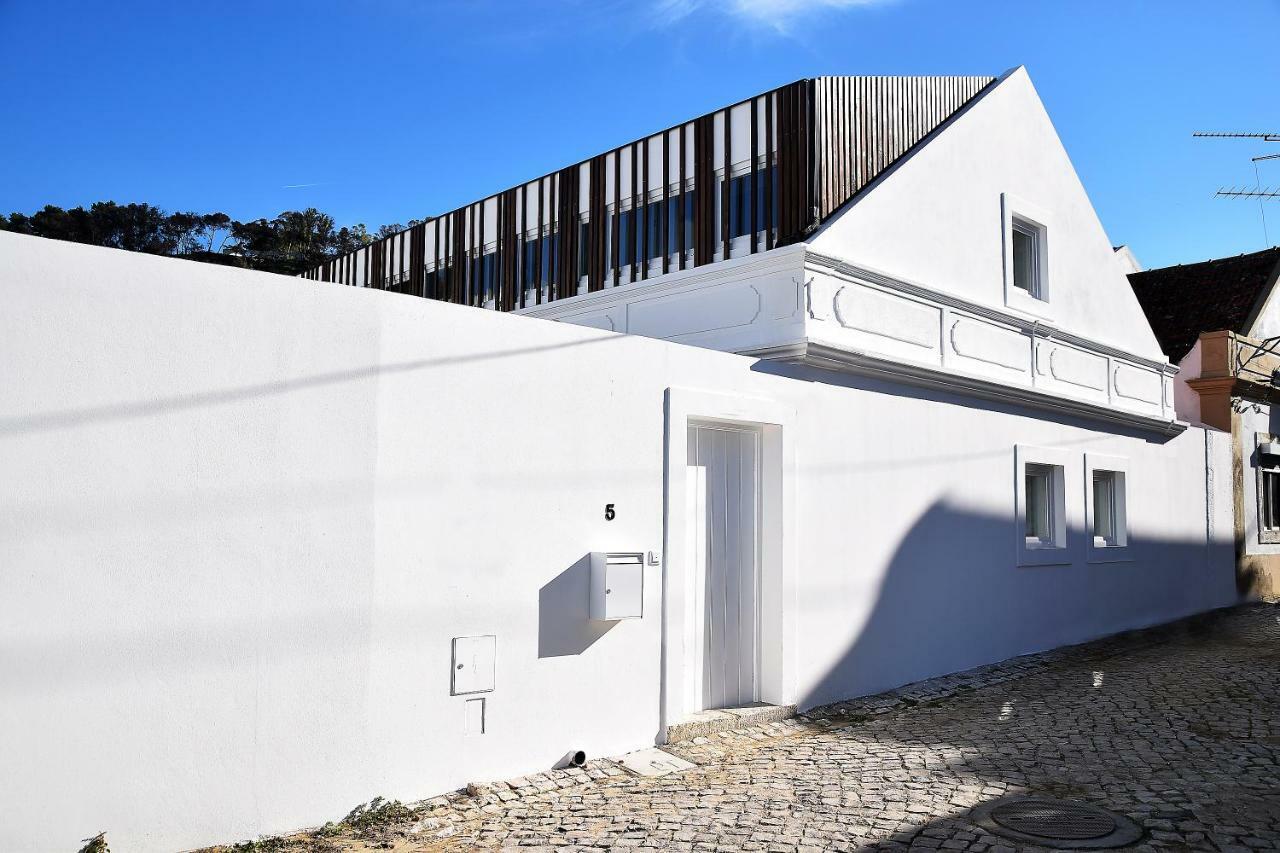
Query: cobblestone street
1178, 727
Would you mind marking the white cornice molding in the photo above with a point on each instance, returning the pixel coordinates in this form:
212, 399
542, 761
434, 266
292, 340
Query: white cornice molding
867, 364
734, 269
1036, 328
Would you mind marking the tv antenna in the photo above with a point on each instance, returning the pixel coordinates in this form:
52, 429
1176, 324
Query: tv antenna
1258, 191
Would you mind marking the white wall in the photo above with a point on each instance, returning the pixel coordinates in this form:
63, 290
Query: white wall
1186, 401
243, 515
936, 219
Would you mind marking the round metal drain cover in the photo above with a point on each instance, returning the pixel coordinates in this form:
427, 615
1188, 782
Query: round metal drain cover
1054, 819
1056, 823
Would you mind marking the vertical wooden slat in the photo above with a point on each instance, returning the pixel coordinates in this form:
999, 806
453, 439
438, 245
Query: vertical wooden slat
553, 244
478, 290
666, 202
704, 179
770, 164
522, 252
680, 247
644, 219
724, 186
635, 209
615, 221
755, 189
537, 248
597, 224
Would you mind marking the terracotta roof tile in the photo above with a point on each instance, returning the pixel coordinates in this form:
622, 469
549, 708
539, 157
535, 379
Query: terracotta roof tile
1182, 301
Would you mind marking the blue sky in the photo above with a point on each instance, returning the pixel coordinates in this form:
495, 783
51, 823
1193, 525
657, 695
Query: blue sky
385, 110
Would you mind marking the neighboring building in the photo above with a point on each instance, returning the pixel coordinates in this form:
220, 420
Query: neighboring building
1219, 322
883, 407
1128, 260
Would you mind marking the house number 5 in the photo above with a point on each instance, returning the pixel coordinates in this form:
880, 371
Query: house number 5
608, 512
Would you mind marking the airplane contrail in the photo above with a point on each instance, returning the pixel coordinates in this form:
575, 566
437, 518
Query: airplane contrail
300, 186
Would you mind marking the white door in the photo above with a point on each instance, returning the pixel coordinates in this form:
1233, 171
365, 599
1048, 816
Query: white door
724, 554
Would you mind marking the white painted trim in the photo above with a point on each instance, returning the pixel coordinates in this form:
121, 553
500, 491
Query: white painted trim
1039, 327
1015, 298
785, 257
778, 619
1108, 553
1064, 552
955, 382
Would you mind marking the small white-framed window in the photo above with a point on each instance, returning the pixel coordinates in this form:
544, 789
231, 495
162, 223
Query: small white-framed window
1106, 507
1041, 519
1038, 514
1107, 530
1026, 256
1025, 241
1268, 497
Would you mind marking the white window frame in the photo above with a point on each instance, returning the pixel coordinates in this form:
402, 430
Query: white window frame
1029, 216
1120, 550
1058, 551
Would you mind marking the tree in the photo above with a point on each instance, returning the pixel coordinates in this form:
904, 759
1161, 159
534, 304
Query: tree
292, 242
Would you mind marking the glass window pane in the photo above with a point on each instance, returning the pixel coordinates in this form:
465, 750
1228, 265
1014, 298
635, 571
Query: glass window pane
1104, 527
626, 239
654, 239
1038, 508
762, 178
1270, 500
1024, 258
689, 197
673, 225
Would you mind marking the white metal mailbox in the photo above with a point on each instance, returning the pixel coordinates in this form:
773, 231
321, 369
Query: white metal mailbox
473, 664
617, 585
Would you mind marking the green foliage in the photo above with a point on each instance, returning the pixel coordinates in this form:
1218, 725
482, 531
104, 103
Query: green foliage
292, 242
377, 814
267, 844
97, 844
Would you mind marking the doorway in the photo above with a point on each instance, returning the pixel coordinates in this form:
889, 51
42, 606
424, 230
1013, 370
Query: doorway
723, 502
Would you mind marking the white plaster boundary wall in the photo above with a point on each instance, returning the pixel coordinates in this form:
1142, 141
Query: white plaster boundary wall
242, 516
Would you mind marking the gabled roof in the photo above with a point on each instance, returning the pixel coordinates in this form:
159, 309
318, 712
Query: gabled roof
1218, 295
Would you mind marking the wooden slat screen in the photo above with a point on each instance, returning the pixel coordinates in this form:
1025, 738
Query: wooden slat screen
811, 146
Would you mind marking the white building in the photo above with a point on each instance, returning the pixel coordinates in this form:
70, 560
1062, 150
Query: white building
272, 548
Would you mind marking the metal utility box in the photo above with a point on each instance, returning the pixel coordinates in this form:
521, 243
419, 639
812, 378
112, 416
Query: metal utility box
473, 664
617, 585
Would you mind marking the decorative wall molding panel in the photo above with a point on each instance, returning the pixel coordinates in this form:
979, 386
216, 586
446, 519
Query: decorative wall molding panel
794, 304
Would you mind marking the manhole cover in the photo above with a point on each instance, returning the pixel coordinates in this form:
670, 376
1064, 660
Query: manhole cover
1054, 819
1056, 823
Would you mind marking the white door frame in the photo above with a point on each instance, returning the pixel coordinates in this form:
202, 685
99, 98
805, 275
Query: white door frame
777, 424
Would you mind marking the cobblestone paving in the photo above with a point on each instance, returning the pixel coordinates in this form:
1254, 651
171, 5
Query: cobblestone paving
1179, 728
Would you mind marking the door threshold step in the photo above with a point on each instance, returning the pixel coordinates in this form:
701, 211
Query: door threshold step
723, 719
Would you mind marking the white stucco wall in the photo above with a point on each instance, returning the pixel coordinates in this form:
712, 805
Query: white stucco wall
1186, 402
243, 516
937, 219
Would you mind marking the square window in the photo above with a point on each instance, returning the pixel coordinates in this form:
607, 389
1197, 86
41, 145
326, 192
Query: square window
1041, 520
1025, 231
1039, 506
1106, 508
1106, 501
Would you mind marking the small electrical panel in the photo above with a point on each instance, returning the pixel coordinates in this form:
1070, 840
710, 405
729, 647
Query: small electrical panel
617, 585
473, 664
